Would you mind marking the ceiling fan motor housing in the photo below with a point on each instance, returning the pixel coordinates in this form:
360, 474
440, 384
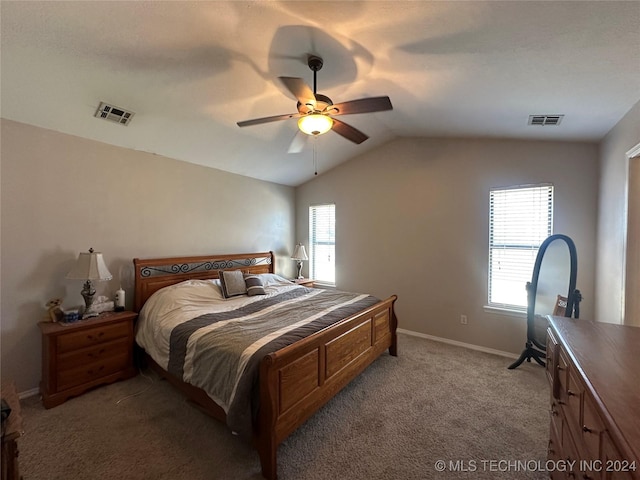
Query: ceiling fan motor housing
322, 104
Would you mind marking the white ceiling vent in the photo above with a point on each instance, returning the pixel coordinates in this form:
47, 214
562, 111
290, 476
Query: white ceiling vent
544, 120
114, 114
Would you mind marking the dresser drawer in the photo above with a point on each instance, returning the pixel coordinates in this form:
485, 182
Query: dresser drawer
592, 428
552, 361
572, 404
562, 375
556, 418
95, 353
92, 336
92, 371
615, 467
570, 453
554, 450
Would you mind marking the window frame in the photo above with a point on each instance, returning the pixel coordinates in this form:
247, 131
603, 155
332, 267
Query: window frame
313, 242
531, 248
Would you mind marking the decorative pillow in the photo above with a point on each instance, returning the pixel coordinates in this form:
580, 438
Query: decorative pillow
254, 285
232, 283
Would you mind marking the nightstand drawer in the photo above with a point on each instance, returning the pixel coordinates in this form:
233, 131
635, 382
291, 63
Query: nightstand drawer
92, 336
94, 353
93, 371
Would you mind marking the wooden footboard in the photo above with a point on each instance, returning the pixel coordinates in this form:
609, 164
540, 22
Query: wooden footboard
297, 380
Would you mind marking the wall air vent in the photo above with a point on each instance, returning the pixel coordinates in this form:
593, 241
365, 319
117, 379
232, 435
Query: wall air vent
544, 120
114, 114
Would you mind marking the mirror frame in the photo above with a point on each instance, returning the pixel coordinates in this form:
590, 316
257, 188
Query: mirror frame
533, 348
532, 288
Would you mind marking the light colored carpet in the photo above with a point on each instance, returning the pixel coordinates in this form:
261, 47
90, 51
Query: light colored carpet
395, 421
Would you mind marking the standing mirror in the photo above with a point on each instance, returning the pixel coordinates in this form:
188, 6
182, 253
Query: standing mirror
552, 291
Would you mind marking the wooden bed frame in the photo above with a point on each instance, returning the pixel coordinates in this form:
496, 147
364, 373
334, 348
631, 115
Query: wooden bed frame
294, 381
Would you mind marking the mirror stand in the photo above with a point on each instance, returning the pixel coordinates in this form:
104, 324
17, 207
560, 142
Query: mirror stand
553, 274
533, 349
530, 352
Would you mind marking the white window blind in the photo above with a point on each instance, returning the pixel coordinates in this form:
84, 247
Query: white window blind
322, 244
520, 219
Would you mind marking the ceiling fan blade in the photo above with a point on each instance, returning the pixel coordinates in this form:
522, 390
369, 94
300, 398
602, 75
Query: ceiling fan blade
348, 132
300, 89
363, 105
275, 118
298, 143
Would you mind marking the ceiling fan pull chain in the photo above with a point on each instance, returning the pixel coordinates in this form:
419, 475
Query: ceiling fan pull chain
315, 155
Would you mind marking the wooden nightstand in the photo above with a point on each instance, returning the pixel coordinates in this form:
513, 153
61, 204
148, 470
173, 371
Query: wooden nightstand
305, 282
84, 354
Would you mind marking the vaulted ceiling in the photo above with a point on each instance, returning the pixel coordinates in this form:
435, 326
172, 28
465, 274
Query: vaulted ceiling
191, 70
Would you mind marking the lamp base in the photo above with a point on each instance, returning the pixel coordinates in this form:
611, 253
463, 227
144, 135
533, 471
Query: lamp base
87, 293
300, 269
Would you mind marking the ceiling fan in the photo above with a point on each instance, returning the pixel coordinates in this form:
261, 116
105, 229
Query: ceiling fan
316, 112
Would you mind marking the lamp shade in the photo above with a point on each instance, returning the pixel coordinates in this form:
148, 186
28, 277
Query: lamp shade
90, 266
315, 124
299, 253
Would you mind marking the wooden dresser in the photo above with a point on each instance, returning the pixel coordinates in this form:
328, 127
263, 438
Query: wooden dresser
594, 371
85, 354
12, 430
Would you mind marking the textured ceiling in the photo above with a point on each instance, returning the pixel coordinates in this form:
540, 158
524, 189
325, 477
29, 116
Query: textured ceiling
191, 70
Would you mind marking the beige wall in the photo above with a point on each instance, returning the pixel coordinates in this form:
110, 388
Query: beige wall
612, 218
412, 219
63, 194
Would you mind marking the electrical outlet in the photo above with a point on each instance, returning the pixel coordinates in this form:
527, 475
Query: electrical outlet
463, 319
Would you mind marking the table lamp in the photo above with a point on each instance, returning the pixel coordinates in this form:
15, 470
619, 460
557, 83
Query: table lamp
89, 266
299, 255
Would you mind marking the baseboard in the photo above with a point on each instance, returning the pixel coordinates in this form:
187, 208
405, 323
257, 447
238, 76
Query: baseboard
28, 393
459, 344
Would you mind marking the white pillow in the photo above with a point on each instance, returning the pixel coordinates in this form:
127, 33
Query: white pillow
182, 294
273, 279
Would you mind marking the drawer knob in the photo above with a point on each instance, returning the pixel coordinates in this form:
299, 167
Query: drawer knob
560, 368
570, 393
586, 429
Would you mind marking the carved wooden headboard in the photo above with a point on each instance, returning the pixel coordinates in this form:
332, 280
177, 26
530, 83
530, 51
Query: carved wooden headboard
153, 274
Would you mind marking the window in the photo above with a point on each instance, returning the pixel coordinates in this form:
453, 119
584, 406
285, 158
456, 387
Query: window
520, 219
322, 243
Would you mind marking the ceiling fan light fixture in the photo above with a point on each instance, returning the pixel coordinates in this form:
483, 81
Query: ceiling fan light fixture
315, 123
